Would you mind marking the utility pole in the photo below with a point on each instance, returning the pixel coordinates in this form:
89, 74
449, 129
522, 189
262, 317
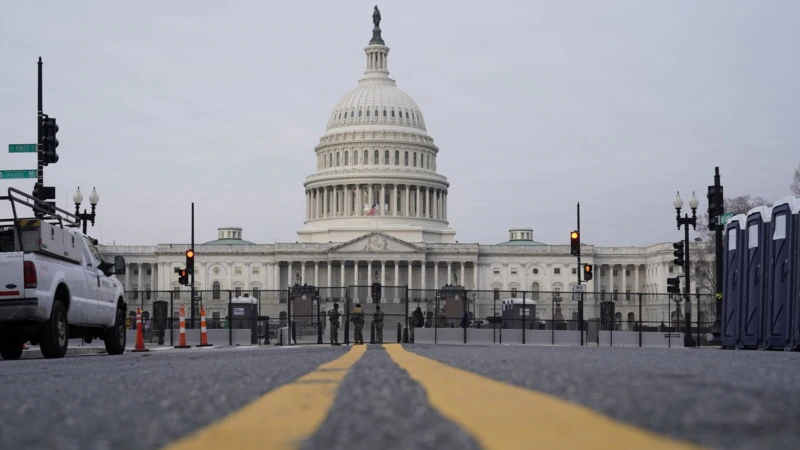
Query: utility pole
580, 274
719, 210
39, 117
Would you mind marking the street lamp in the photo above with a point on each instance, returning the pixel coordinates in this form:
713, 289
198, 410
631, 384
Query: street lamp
685, 221
85, 217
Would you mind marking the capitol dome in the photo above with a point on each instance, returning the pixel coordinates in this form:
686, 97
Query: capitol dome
376, 165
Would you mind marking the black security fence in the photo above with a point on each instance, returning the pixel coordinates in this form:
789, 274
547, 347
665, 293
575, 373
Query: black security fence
255, 317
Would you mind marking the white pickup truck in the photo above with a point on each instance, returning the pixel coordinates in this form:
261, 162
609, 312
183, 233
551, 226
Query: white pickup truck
54, 284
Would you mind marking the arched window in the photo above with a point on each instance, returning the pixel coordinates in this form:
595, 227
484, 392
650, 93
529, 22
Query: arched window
415, 159
396, 158
376, 113
346, 158
631, 320
405, 159
216, 289
330, 159
337, 159
375, 160
384, 113
386, 158
406, 115
422, 160
535, 291
392, 114
359, 113
355, 158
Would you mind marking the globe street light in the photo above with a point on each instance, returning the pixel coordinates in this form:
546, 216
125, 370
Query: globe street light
686, 221
85, 217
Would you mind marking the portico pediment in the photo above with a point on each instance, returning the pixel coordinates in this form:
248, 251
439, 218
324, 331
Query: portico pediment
375, 242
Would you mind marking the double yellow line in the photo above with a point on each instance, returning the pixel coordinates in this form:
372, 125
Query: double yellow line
496, 414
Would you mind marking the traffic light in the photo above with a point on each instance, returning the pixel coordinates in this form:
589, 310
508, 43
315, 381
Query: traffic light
183, 277
190, 260
49, 141
376, 292
674, 285
575, 243
587, 272
678, 253
715, 206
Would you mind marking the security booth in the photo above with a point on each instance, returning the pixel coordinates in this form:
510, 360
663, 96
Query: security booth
160, 317
756, 261
607, 313
453, 303
781, 304
305, 309
244, 315
518, 313
733, 241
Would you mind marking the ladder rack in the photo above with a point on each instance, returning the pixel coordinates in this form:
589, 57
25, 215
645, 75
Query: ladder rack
42, 210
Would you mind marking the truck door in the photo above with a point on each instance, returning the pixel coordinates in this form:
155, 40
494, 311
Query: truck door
104, 304
92, 283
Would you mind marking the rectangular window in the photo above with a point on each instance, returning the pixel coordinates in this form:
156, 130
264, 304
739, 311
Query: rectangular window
627, 273
255, 292
513, 292
497, 271
177, 293
671, 269
574, 271
238, 291
514, 271
628, 294
752, 235
732, 239
496, 292
238, 271
780, 227
557, 271
256, 270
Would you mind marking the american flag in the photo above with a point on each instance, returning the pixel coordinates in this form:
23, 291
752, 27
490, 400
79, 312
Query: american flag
373, 210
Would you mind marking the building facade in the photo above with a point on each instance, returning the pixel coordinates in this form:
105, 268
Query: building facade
376, 211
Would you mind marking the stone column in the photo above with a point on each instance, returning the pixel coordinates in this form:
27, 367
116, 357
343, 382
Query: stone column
383, 276
383, 200
329, 277
436, 275
139, 286
341, 279
393, 203
463, 280
355, 278
360, 207
624, 280
371, 194
410, 278
475, 276
369, 272
444, 211
316, 273
424, 264
636, 279
449, 272
302, 272
419, 210
288, 274
407, 199
430, 204
611, 280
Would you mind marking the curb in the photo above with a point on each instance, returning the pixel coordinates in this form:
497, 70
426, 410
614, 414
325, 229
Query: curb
34, 352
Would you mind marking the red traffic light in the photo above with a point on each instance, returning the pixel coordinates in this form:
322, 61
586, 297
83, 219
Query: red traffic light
183, 272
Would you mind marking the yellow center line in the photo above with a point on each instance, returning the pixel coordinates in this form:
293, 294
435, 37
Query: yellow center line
503, 416
280, 419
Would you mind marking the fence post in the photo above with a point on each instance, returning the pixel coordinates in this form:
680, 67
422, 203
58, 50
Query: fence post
435, 318
524, 313
405, 339
230, 318
399, 333
465, 310
372, 332
171, 318
640, 319
346, 321
553, 318
494, 320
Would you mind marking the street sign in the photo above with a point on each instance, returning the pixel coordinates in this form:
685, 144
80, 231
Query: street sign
21, 148
4, 174
577, 290
724, 218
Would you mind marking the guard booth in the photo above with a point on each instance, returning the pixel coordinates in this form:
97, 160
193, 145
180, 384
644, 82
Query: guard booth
305, 310
756, 243
607, 313
244, 315
160, 316
733, 281
453, 302
518, 313
783, 256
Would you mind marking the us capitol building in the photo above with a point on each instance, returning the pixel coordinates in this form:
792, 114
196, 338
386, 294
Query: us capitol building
377, 210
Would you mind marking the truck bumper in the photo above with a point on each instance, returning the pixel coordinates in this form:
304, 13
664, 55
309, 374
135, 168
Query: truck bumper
18, 310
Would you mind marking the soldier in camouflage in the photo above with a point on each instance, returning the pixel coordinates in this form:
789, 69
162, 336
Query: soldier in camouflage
378, 319
333, 317
358, 324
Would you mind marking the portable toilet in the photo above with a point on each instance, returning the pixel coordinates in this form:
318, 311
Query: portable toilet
732, 286
781, 303
244, 315
756, 271
518, 312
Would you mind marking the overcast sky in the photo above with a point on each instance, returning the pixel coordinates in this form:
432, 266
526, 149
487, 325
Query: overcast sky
534, 105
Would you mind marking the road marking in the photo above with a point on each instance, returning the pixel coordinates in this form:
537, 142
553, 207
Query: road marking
503, 416
280, 419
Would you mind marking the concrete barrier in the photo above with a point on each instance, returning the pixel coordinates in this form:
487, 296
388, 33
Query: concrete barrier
649, 339
482, 336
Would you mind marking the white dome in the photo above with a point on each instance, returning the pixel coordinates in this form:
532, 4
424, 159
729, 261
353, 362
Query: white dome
376, 101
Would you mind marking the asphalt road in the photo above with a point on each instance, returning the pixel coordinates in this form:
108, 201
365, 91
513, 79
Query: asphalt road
719, 399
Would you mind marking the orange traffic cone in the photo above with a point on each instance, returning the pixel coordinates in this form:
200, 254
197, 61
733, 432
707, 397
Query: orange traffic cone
203, 332
139, 337
182, 338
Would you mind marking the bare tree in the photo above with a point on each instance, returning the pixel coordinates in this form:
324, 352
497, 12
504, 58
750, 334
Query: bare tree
795, 186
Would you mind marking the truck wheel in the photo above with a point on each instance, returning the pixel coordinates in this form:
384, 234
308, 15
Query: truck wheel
116, 336
54, 334
11, 347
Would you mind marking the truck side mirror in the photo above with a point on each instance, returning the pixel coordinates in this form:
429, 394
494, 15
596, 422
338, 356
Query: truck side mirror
119, 265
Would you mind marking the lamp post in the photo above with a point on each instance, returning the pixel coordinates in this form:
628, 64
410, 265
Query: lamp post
686, 221
85, 217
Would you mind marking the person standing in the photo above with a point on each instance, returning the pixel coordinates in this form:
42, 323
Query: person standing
334, 319
417, 320
358, 324
378, 319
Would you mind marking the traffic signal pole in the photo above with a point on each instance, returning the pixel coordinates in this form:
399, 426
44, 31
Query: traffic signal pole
191, 274
39, 149
716, 330
580, 274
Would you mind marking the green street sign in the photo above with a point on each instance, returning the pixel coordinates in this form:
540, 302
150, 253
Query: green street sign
724, 218
21, 148
17, 174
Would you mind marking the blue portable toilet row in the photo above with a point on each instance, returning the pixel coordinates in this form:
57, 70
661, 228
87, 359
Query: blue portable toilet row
761, 302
